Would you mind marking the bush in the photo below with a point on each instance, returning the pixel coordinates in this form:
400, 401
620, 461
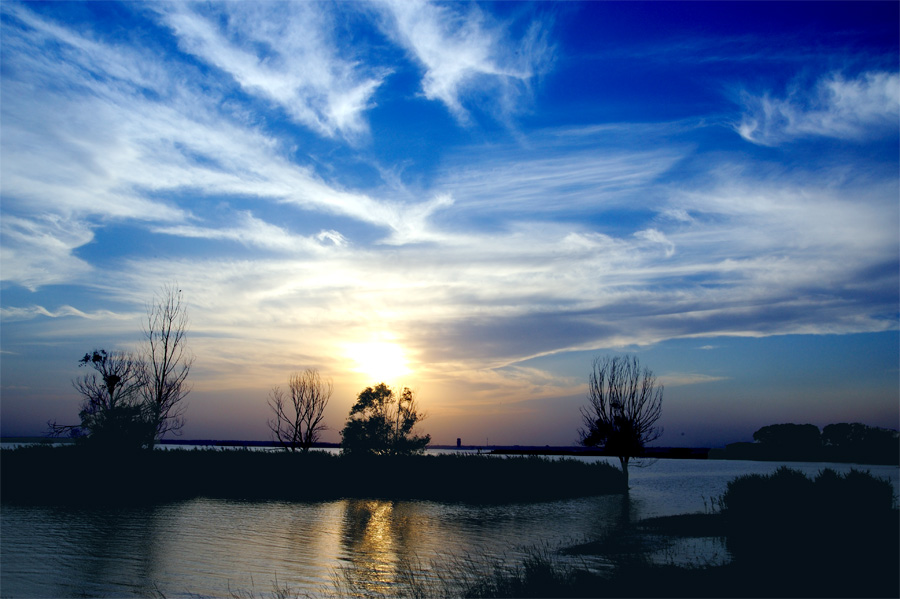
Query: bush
800, 528
789, 494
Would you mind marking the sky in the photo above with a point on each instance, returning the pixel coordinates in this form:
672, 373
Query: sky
471, 200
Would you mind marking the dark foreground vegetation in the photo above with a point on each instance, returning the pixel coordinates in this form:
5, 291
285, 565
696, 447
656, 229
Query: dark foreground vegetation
80, 475
788, 536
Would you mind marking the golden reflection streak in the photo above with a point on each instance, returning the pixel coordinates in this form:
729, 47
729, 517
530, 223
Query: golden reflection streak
372, 540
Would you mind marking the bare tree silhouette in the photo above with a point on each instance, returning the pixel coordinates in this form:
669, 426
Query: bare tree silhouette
296, 423
624, 404
166, 361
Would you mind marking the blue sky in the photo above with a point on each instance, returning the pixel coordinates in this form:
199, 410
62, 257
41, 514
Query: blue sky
472, 200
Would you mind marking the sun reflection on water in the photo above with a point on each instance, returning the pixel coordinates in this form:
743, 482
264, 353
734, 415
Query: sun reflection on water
373, 535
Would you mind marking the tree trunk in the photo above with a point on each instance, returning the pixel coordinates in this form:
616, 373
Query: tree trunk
624, 462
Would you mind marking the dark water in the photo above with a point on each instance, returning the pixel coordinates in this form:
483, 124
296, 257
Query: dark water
213, 548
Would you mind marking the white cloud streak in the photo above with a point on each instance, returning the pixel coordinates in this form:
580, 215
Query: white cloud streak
681, 379
284, 53
253, 232
860, 108
553, 180
38, 252
461, 53
16, 314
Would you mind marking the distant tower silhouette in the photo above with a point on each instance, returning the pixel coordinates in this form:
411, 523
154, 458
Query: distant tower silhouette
458, 442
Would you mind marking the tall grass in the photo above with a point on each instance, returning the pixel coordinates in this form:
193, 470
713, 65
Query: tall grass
541, 573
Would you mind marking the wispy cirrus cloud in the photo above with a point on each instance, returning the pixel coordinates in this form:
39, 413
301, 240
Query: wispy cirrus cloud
94, 136
284, 53
553, 179
463, 53
254, 232
681, 379
38, 251
27, 313
757, 257
864, 107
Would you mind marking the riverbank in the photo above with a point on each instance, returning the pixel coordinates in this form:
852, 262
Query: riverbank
788, 535
853, 563
78, 475
741, 451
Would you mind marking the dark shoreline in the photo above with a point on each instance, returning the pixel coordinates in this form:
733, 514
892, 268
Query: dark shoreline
79, 475
736, 451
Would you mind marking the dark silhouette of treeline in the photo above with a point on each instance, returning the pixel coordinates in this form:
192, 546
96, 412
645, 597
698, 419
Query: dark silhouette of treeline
81, 475
843, 442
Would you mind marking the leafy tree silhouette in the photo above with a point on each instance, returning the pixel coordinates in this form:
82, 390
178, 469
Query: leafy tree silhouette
381, 423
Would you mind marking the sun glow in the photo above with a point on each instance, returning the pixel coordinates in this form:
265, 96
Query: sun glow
379, 360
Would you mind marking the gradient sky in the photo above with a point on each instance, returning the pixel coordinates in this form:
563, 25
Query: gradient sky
472, 200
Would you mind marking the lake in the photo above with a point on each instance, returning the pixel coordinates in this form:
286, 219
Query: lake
215, 547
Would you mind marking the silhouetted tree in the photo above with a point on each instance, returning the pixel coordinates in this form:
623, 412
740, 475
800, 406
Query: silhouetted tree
843, 434
166, 361
132, 400
112, 413
624, 404
789, 441
789, 435
381, 423
297, 424
860, 442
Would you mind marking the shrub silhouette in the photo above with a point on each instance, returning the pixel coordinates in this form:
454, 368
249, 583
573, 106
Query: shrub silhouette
792, 526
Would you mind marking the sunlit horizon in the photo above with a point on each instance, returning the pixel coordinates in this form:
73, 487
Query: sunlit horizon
470, 200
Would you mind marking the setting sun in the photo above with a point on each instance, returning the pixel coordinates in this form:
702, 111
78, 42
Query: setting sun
379, 360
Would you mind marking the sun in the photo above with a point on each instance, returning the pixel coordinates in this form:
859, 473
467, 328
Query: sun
379, 360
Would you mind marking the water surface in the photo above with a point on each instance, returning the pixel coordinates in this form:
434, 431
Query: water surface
213, 547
